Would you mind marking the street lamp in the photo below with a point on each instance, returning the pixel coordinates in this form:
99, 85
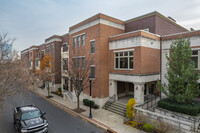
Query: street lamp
90, 79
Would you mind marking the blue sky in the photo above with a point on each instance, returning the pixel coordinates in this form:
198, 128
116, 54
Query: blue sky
31, 21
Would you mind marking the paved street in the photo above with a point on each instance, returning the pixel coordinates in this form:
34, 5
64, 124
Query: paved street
59, 120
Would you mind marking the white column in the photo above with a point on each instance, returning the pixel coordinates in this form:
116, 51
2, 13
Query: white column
139, 93
147, 93
113, 88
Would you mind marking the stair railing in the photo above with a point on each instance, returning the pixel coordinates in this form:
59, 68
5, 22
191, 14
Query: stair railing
110, 101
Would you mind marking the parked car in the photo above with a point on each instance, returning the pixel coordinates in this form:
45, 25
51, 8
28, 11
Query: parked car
29, 119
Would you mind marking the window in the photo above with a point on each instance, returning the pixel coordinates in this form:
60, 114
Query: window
79, 41
30, 64
65, 64
52, 49
124, 60
92, 72
65, 84
74, 62
74, 42
30, 54
65, 47
78, 62
47, 49
37, 63
79, 83
195, 58
83, 62
83, 40
92, 46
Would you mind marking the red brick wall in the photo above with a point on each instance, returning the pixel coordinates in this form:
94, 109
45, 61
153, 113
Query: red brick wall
106, 31
164, 27
145, 23
100, 33
145, 61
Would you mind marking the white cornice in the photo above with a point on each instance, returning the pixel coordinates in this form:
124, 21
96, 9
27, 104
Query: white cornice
33, 49
54, 40
95, 22
24, 51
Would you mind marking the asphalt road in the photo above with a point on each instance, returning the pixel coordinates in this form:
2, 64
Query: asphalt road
59, 120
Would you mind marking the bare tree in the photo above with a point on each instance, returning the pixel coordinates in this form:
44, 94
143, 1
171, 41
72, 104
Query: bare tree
14, 73
78, 72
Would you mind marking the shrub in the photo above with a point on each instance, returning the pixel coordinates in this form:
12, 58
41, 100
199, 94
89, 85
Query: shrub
140, 119
59, 89
148, 127
189, 108
86, 102
130, 108
132, 123
163, 127
95, 106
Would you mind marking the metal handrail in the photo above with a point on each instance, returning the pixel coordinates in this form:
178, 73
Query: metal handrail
70, 95
110, 101
147, 102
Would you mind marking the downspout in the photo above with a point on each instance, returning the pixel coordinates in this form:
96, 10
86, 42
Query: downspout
160, 60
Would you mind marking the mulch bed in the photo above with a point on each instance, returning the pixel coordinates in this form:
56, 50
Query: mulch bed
78, 111
49, 96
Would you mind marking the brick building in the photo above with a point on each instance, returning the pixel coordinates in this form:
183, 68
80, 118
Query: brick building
129, 55
51, 46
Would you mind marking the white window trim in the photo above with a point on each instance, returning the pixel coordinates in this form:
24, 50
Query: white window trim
92, 40
82, 40
95, 69
128, 69
198, 58
90, 45
62, 48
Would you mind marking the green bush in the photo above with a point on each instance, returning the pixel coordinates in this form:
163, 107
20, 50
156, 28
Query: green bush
148, 127
59, 89
86, 102
187, 108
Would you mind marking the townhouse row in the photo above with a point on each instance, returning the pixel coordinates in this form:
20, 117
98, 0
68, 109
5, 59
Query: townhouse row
129, 56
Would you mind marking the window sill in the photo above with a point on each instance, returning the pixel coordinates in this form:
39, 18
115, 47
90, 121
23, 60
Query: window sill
123, 69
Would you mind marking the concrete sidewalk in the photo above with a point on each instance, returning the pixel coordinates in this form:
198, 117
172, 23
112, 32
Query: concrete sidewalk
102, 118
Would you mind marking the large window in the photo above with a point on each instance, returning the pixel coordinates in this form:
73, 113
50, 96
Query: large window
79, 41
65, 83
65, 64
37, 63
52, 49
74, 62
124, 60
92, 46
83, 62
78, 62
92, 72
47, 49
83, 39
74, 42
195, 58
65, 47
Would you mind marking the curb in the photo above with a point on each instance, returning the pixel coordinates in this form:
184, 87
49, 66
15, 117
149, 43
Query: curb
69, 110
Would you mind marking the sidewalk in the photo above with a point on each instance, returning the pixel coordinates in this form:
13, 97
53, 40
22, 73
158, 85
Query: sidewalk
102, 118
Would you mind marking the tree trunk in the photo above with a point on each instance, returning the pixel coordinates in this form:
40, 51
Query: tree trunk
48, 88
78, 108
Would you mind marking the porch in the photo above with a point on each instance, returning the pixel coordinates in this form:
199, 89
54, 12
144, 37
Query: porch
140, 87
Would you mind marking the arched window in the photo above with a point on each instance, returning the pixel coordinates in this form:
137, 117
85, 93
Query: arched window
65, 47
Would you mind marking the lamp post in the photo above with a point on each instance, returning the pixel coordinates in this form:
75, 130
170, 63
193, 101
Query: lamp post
90, 116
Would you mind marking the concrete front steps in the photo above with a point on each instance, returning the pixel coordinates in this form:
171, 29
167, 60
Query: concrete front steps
116, 107
198, 129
